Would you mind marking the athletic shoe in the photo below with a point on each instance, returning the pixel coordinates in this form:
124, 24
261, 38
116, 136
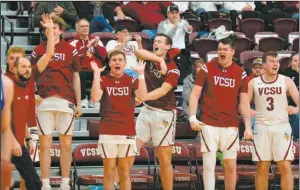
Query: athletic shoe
65, 187
48, 187
97, 105
85, 103
91, 104
116, 186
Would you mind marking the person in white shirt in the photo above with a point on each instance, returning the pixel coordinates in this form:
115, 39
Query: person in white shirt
128, 44
201, 7
239, 6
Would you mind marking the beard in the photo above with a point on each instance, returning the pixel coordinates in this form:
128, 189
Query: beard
23, 78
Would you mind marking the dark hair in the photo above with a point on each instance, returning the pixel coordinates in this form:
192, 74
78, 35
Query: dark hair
169, 40
267, 54
116, 52
292, 55
230, 40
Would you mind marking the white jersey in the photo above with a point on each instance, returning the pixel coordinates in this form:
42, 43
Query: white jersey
271, 101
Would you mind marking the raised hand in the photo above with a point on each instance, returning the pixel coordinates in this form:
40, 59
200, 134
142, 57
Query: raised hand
140, 67
95, 67
46, 21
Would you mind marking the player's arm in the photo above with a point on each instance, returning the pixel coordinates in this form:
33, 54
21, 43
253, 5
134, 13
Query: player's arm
8, 98
146, 55
47, 23
250, 96
194, 98
77, 88
96, 91
141, 91
294, 93
159, 92
245, 109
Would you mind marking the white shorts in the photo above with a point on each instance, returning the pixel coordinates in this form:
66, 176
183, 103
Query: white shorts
157, 124
117, 146
225, 139
48, 121
273, 143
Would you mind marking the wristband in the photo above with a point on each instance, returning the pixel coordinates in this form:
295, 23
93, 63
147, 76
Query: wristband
193, 119
141, 77
28, 139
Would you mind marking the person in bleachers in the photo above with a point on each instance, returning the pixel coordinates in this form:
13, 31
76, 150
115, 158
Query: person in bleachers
293, 73
58, 84
148, 14
89, 49
183, 6
128, 44
200, 7
177, 28
291, 9
221, 87
188, 84
117, 135
272, 132
63, 9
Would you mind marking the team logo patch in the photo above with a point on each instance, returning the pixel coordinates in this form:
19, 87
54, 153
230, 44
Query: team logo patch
287, 136
165, 123
130, 137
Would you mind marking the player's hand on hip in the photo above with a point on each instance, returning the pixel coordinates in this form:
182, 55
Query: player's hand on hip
138, 102
195, 123
140, 67
248, 135
78, 111
38, 99
16, 149
292, 110
252, 113
30, 146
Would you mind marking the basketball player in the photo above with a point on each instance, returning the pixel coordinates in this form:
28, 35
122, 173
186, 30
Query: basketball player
222, 86
116, 93
272, 130
157, 119
58, 83
6, 94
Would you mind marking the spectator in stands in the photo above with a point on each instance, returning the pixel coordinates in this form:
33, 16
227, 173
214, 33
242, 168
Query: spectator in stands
200, 7
183, 6
6, 95
58, 83
128, 44
291, 9
293, 73
219, 119
157, 120
148, 14
89, 49
99, 23
63, 9
117, 140
23, 115
188, 84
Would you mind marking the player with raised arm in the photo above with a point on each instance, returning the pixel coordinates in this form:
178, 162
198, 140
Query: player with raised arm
272, 130
222, 86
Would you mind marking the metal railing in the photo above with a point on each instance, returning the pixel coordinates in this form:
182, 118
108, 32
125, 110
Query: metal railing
11, 41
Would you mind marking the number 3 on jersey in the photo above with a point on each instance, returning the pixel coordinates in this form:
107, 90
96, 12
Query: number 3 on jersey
271, 103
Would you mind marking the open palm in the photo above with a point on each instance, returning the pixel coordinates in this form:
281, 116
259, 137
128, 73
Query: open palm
46, 21
140, 67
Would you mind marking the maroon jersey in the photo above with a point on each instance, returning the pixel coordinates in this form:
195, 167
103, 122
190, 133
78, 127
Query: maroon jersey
155, 80
220, 93
57, 78
117, 105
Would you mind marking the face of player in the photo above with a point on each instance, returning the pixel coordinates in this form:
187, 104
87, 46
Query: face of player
257, 70
117, 64
295, 62
271, 65
225, 54
173, 16
11, 58
83, 28
57, 32
122, 35
160, 47
24, 69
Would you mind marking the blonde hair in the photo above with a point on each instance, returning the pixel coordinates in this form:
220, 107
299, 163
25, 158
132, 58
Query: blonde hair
59, 21
16, 49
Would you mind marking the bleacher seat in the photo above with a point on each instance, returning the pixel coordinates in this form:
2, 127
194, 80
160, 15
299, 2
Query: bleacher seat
259, 35
105, 36
247, 58
292, 36
130, 24
210, 55
188, 15
146, 41
250, 26
195, 23
204, 45
271, 44
241, 44
67, 36
284, 26
217, 22
296, 45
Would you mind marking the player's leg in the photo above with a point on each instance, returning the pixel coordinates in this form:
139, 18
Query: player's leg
286, 180
22, 184
65, 126
262, 175
45, 121
124, 165
164, 155
209, 164
142, 127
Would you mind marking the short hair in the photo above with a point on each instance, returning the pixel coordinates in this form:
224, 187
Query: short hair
78, 21
199, 61
292, 55
60, 22
116, 52
268, 54
17, 61
16, 49
169, 40
230, 40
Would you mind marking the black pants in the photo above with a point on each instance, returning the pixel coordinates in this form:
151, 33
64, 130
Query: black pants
86, 79
25, 167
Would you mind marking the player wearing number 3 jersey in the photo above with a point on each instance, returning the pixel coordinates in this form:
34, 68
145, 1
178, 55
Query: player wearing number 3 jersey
272, 131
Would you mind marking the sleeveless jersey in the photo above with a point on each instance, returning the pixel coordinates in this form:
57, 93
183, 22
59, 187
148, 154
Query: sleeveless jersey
270, 101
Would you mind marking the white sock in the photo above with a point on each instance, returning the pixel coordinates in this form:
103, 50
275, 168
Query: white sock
46, 182
65, 181
209, 164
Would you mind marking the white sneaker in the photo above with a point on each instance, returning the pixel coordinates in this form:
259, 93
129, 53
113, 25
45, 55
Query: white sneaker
65, 187
48, 187
91, 104
97, 105
85, 103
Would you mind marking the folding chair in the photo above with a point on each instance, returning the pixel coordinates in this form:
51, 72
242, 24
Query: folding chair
86, 155
196, 23
251, 26
284, 26
204, 45
241, 44
296, 45
210, 55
